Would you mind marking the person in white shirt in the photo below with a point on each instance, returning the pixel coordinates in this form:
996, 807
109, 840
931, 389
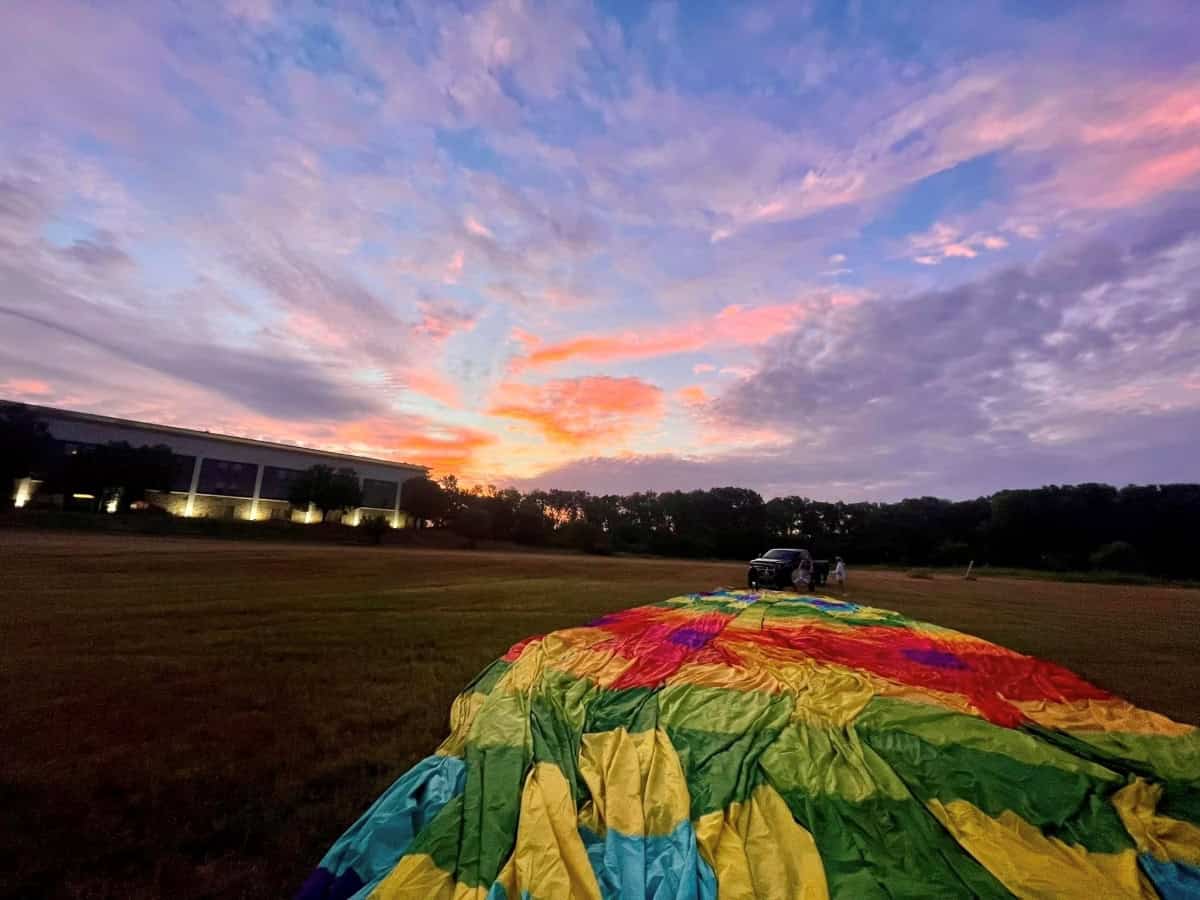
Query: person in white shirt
839, 574
802, 576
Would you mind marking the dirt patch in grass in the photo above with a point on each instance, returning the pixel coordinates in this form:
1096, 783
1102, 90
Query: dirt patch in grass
193, 718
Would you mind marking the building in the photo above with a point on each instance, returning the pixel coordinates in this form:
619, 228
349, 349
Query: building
222, 476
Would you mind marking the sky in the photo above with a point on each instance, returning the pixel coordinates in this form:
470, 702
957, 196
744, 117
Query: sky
851, 250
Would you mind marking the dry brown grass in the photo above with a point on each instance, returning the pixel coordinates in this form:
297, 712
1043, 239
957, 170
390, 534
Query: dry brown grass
192, 718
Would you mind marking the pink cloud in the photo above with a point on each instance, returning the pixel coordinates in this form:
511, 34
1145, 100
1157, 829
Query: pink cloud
25, 387
475, 227
454, 268
735, 325
442, 319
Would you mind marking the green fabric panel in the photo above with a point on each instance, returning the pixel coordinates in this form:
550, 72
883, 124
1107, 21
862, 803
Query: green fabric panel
722, 709
720, 768
442, 836
939, 726
789, 612
491, 803
571, 696
1173, 761
816, 761
1161, 756
557, 735
888, 848
1069, 805
634, 709
486, 680
1181, 801
474, 834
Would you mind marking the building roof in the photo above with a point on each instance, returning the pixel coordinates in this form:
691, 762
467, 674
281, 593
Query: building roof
210, 435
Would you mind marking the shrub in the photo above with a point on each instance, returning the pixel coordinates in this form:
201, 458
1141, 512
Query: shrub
1119, 556
375, 527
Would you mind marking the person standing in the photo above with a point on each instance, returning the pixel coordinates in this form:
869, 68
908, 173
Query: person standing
839, 574
802, 576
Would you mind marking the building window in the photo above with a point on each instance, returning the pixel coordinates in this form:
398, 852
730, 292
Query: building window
226, 478
378, 494
181, 472
277, 482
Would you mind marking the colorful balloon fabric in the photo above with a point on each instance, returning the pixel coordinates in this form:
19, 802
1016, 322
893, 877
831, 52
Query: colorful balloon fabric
764, 744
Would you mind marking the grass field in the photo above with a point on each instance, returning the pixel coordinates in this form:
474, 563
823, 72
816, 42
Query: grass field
193, 718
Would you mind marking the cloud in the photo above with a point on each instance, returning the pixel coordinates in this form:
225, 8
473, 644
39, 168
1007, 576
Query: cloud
736, 325
414, 439
266, 382
581, 411
25, 388
1013, 369
943, 241
220, 213
443, 318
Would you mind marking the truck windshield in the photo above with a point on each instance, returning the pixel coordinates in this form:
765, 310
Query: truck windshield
786, 555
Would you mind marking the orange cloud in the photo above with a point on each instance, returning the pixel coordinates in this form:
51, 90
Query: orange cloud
735, 325
693, 395
580, 411
442, 448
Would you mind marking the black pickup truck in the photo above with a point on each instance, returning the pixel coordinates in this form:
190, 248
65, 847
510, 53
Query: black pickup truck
775, 567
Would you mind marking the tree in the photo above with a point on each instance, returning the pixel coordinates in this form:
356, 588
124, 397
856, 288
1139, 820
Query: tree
117, 472
456, 498
423, 499
580, 534
530, 525
326, 489
24, 447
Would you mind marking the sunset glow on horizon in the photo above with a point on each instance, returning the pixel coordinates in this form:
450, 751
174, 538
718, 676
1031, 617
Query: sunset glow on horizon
849, 251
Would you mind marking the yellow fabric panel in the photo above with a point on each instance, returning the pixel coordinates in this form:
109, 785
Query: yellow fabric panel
1030, 864
507, 706
1169, 840
549, 859
1100, 715
463, 711
635, 780
743, 845
523, 674
916, 694
721, 675
416, 877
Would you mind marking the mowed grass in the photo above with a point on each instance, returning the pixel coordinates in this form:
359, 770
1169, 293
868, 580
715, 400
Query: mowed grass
192, 718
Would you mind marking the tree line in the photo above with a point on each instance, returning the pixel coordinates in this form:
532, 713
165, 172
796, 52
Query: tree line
1147, 529
1140, 528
